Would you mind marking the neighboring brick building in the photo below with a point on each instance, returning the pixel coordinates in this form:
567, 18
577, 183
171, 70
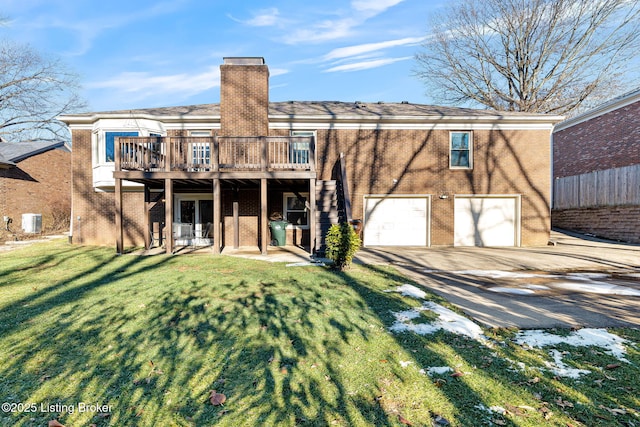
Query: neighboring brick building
416, 175
35, 177
596, 166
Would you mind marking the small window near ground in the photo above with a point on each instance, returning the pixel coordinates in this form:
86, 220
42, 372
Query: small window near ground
295, 211
460, 156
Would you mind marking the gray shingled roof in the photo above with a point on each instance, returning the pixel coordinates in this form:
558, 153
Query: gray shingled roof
329, 109
13, 152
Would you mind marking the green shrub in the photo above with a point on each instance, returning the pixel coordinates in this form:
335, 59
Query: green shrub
342, 244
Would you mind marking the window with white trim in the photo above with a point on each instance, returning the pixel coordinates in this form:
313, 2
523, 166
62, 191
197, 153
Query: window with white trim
295, 209
110, 144
460, 150
200, 151
299, 151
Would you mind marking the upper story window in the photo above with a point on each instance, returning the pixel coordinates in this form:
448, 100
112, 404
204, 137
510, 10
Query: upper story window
460, 150
200, 151
110, 144
299, 151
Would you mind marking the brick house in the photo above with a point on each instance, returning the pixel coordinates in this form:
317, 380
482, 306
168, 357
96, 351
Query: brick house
414, 175
596, 169
35, 177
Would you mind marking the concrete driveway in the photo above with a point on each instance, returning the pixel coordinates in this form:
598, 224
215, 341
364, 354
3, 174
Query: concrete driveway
579, 282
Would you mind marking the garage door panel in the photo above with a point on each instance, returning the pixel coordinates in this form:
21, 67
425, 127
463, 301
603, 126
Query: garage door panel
396, 221
485, 221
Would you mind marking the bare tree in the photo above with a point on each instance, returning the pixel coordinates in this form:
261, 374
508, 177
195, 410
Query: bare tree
542, 56
34, 90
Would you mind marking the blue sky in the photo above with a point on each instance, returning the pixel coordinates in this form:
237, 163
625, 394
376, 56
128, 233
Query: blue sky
140, 53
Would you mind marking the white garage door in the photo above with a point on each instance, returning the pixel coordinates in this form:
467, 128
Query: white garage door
486, 221
396, 221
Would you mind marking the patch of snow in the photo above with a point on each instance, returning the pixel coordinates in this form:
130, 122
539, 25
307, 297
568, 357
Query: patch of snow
588, 276
499, 274
514, 291
447, 320
610, 343
537, 287
599, 288
560, 369
404, 364
306, 264
436, 370
411, 291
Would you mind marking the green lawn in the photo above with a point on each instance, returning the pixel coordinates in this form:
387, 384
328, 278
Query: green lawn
149, 337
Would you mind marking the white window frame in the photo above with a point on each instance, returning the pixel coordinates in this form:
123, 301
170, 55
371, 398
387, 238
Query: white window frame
470, 149
311, 133
285, 211
201, 153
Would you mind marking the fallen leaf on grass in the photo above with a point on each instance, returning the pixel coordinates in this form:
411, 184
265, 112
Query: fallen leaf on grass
534, 380
563, 403
404, 421
217, 399
612, 366
439, 382
441, 421
457, 374
614, 411
55, 423
514, 410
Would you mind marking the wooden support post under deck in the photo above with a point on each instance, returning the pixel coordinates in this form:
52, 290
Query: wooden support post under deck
119, 231
168, 214
236, 225
312, 216
217, 209
147, 217
263, 216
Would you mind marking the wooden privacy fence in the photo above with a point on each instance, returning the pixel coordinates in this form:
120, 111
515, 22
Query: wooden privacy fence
610, 187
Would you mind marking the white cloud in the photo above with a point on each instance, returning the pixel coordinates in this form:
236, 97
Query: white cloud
143, 83
373, 6
264, 18
348, 51
322, 31
315, 29
365, 65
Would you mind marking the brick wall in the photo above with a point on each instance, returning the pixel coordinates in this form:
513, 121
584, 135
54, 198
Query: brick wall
611, 222
417, 162
40, 184
604, 142
244, 100
96, 225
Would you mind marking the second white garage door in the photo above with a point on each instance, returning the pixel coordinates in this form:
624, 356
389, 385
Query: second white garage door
396, 221
486, 221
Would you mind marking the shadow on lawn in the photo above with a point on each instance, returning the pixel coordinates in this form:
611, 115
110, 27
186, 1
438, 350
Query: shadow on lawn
274, 342
152, 353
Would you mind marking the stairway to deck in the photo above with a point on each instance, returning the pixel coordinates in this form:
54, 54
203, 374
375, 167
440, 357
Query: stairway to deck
327, 211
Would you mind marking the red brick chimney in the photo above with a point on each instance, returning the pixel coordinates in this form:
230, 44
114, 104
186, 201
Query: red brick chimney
244, 97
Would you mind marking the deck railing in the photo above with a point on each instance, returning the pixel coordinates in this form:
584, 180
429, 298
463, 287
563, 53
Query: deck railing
202, 154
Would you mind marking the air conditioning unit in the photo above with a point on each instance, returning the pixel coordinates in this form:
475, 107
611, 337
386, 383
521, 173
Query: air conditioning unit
32, 223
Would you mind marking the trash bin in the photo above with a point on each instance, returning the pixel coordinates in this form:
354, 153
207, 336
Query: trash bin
278, 233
